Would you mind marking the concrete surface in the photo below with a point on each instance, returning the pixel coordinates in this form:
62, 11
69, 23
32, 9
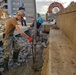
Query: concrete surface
23, 28
46, 26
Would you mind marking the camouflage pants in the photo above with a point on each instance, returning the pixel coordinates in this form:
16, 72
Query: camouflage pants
10, 44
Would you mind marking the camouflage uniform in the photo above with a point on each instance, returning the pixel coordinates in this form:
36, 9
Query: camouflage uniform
1, 60
10, 44
9, 39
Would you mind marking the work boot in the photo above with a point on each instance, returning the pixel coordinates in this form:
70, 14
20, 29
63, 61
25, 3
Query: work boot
0, 73
15, 56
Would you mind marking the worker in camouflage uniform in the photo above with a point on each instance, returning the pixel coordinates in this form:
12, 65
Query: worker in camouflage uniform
9, 39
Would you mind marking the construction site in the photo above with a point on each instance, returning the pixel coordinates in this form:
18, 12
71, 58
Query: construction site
50, 53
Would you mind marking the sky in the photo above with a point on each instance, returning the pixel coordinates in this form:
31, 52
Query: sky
42, 5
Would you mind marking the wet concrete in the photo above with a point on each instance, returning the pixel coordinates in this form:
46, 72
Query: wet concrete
26, 68
29, 67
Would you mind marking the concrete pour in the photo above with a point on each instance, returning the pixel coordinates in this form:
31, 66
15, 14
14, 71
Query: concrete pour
26, 57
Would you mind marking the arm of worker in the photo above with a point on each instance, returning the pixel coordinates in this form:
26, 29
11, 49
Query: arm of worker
23, 34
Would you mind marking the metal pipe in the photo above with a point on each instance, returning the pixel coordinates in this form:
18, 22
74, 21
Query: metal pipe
35, 30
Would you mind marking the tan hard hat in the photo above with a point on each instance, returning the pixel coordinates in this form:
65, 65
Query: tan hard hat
21, 13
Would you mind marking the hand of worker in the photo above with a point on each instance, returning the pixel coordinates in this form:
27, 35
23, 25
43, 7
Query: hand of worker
30, 39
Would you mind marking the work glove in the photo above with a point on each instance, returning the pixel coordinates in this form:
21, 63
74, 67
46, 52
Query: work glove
30, 39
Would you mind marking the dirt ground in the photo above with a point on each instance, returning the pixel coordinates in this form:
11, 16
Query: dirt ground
60, 56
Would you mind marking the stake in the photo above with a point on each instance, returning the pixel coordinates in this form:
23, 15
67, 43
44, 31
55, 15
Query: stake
35, 30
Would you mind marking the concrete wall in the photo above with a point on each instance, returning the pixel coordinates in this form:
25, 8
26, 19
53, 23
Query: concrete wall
66, 21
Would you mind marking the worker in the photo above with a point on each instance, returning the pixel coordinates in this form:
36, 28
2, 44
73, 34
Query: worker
23, 21
8, 35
